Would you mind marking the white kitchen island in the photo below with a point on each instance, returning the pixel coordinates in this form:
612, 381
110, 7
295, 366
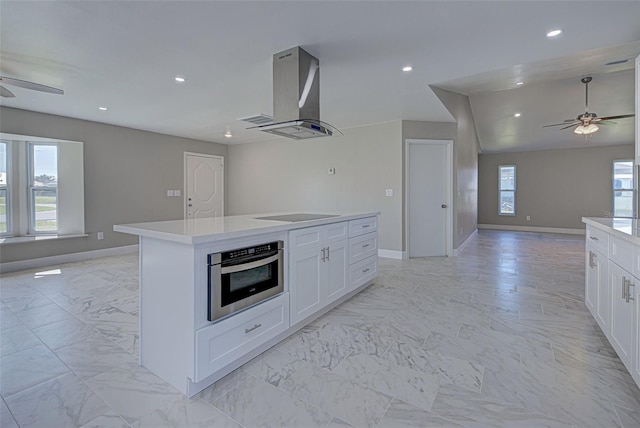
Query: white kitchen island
612, 284
180, 344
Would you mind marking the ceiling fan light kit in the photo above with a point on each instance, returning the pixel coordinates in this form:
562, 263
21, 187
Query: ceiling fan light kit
586, 130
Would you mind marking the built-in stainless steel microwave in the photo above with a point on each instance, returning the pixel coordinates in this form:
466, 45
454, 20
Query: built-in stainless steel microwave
244, 277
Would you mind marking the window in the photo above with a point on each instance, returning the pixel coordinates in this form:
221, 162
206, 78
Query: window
507, 190
623, 188
43, 188
5, 207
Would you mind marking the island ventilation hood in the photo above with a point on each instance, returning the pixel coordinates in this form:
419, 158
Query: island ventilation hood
296, 97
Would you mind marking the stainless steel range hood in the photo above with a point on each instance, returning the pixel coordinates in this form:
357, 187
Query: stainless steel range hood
296, 97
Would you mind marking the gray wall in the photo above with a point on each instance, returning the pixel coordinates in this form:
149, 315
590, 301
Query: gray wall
127, 173
465, 165
555, 187
289, 175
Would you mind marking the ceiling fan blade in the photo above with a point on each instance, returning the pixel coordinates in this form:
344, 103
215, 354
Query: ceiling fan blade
607, 122
560, 124
31, 85
570, 126
569, 120
5, 93
622, 116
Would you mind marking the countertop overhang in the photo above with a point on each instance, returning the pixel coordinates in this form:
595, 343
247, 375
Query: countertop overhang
624, 228
221, 228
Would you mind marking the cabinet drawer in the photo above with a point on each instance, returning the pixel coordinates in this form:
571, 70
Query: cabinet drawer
317, 236
363, 271
362, 247
621, 253
362, 226
222, 343
599, 239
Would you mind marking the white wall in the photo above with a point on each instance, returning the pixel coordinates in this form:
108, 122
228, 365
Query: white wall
290, 175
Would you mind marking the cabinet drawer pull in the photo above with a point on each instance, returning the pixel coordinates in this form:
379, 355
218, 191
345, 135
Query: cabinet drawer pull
249, 330
624, 288
365, 245
365, 270
594, 238
364, 226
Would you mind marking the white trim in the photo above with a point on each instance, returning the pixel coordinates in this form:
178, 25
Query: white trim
392, 254
456, 251
66, 258
449, 192
37, 238
562, 230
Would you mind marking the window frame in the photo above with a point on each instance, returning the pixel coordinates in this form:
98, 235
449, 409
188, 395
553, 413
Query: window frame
7, 189
31, 189
500, 190
624, 189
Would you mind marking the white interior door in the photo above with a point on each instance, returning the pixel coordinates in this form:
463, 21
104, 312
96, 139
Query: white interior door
428, 198
204, 183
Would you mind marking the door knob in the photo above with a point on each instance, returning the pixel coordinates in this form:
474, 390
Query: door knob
444, 205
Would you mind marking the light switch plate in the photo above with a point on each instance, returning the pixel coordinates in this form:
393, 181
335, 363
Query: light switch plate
169, 192
389, 192
176, 193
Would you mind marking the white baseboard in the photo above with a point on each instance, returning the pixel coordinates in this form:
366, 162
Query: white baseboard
562, 230
392, 254
464, 243
66, 258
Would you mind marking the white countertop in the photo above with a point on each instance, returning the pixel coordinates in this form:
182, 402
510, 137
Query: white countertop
625, 228
220, 228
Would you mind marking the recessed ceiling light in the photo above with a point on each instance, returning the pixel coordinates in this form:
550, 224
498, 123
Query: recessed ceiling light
407, 68
102, 108
519, 83
554, 33
179, 79
228, 134
517, 115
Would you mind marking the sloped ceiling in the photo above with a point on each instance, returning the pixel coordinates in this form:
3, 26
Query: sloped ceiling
124, 55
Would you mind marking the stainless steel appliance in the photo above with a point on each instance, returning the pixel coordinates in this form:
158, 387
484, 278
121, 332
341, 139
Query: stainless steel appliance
243, 277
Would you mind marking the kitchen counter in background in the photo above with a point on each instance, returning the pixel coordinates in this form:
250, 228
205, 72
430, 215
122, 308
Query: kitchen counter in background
624, 228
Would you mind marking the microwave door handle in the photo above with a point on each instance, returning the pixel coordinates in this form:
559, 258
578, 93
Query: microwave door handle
250, 265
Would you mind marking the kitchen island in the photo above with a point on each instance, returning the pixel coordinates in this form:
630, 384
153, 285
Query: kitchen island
321, 259
612, 284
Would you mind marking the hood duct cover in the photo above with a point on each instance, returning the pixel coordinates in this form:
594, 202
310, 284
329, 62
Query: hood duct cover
296, 97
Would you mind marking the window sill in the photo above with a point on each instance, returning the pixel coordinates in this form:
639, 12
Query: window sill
23, 239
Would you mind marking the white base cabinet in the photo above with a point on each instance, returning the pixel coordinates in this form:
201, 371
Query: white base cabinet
612, 292
327, 262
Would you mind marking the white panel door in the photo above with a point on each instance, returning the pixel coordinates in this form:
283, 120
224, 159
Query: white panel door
427, 199
204, 177
308, 274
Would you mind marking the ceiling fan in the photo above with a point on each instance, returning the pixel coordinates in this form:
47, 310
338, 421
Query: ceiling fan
586, 122
5, 93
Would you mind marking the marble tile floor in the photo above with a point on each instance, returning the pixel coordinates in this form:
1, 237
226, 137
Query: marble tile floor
498, 336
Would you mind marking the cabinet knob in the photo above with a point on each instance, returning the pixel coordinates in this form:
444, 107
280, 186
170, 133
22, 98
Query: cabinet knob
444, 205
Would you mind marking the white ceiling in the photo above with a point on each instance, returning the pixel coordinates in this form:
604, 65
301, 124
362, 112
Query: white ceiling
124, 55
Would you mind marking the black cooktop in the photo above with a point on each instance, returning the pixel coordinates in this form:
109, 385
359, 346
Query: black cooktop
297, 217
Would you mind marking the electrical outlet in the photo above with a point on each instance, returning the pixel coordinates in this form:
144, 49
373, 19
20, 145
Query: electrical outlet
528, 218
100, 235
331, 171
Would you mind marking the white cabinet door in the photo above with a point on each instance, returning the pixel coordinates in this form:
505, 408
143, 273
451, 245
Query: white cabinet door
591, 281
603, 292
635, 294
622, 314
638, 110
307, 273
337, 277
